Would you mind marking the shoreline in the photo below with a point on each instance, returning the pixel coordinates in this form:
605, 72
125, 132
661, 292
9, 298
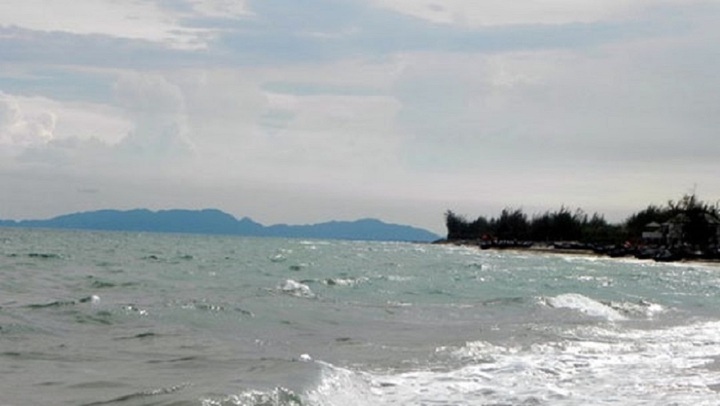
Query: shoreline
549, 249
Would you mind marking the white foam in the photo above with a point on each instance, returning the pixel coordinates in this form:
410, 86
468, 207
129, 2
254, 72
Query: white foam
585, 305
398, 278
596, 367
295, 288
345, 281
641, 308
278, 396
340, 386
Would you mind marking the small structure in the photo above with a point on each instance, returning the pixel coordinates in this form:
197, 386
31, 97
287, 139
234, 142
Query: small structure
653, 234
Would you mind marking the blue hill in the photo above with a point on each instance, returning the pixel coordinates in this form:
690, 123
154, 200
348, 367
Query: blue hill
211, 221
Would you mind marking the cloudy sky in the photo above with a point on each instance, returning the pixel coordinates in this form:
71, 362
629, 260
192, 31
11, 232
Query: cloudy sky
304, 111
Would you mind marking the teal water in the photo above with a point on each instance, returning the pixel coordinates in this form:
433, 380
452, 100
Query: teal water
92, 318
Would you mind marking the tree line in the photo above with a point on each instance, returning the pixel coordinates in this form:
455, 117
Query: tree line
697, 220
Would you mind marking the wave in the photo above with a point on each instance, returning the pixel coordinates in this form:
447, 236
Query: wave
598, 366
275, 397
295, 288
139, 396
585, 305
345, 281
44, 255
642, 308
63, 303
607, 310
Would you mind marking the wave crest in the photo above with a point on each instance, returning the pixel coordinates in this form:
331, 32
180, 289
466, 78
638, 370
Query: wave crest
585, 305
295, 288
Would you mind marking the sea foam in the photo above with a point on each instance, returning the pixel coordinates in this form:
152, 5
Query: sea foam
586, 305
294, 288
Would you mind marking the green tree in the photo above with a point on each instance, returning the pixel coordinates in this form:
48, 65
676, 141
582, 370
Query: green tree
457, 226
512, 225
562, 225
699, 220
598, 231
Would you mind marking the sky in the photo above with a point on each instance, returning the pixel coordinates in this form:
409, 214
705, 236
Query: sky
305, 111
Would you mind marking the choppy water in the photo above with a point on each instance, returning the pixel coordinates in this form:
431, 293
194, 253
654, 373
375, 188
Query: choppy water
142, 319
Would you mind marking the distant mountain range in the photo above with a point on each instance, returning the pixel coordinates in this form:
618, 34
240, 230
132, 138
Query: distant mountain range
211, 221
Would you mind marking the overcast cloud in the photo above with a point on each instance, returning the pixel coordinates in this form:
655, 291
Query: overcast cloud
308, 111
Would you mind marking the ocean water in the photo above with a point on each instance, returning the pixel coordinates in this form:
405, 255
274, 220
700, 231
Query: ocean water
90, 318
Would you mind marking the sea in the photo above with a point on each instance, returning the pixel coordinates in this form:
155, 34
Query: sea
111, 318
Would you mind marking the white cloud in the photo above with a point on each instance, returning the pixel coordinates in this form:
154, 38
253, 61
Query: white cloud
622, 126
150, 94
34, 122
240, 128
81, 120
221, 94
242, 131
221, 8
149, 125
614, 119
473, 13
156, 107
351, 134
132, 19
18, 130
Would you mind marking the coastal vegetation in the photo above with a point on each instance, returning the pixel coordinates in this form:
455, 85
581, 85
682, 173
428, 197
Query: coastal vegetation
679, 229
513, 224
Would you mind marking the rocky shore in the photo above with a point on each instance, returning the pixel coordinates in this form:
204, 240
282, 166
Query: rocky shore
654, 253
